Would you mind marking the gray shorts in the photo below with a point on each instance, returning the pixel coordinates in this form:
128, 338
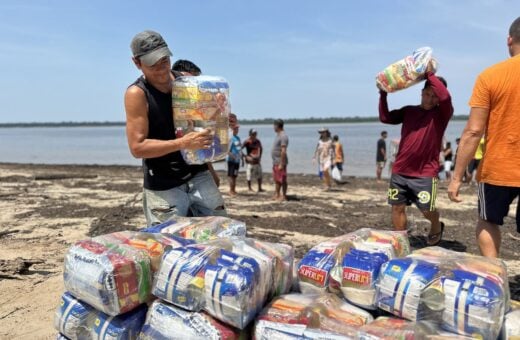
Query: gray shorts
253, 171
422, 191
199, 196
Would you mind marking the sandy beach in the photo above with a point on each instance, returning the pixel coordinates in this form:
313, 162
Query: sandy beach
46, 208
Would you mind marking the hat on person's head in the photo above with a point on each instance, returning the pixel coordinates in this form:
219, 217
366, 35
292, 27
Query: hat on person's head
252, 132
323, 129
149, 47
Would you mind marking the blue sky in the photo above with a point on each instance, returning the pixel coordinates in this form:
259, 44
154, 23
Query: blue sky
70, 60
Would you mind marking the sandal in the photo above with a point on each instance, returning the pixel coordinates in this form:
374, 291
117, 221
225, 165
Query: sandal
433, 237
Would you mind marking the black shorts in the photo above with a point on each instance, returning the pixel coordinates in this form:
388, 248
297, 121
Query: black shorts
232, 169
473, 165
494, 202
422, 191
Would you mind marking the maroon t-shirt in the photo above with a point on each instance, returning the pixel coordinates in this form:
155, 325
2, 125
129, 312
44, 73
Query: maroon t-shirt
421, 132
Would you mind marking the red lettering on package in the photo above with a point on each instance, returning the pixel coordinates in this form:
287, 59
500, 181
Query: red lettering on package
314, 274
360, 277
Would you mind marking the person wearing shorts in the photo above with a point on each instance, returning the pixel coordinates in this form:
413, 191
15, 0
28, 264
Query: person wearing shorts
234, 158
280, 161
381, 155
416, 168
495, 114
253, 158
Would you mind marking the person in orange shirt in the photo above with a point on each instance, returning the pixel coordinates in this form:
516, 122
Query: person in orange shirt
495, 112
339, 157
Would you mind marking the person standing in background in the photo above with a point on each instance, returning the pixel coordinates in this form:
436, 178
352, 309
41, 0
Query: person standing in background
381, 155
474, 163
253, 157
394, 148
280, 161
448, 157
324, 154
234, 158
339, 157
495, 113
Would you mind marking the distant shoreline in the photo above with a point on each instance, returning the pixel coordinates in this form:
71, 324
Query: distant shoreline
288, 121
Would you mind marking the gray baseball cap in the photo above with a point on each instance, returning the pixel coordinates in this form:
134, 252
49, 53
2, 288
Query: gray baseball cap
149, 47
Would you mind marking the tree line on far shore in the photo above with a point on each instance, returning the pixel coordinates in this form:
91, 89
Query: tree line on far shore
262, 121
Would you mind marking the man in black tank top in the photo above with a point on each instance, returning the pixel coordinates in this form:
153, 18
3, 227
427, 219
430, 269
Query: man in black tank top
171, 186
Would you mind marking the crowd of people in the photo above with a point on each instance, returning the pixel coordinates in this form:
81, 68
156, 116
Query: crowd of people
490, 144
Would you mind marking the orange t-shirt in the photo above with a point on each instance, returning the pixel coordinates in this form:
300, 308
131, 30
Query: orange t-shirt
498, 89
338, 152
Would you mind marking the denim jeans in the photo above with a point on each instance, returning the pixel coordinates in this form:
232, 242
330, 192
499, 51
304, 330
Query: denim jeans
200, 196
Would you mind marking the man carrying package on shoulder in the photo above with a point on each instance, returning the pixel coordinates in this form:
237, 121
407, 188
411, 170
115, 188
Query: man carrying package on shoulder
415, 171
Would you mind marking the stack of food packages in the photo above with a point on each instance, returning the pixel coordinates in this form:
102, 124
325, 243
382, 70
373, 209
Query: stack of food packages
200, 103
208, 290
463, 293
407, 71
441, 293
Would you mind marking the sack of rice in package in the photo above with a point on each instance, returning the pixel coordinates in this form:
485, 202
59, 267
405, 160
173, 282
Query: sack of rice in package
75, 319
114, 278
202, 103
360, 267
275, 260
400, 285
165, 321
180, 278
315, 267
200, 229
407, 71
232, 289
308, 316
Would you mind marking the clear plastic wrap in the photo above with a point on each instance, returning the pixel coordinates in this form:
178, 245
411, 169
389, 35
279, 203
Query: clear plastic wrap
463, 293
309, 317
114, 279
165, 321
199, 103
387, 328
75, 319
230, 278
200, 229
113, 272
349, 264
407, 71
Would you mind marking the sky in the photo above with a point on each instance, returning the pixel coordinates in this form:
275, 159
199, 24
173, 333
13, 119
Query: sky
71, 60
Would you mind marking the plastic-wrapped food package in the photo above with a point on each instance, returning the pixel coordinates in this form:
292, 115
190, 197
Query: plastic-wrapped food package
75, 319
180, 278
360, 267
511, 325
165, 321
275, 260
400, 284
113, 278
473, 305
200, 229
151, 244
407, 71
305, 316
315, 266
229, 286
232, 289
199, 103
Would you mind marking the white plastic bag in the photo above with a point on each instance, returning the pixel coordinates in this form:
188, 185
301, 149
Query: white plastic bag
336, 174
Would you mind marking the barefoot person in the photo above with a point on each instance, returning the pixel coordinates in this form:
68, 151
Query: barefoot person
324, 155
234, 158
381, 155
415, 171
253, 158
280, 161
495, 113
171, 187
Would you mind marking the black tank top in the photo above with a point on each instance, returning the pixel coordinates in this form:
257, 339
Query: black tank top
168, 171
